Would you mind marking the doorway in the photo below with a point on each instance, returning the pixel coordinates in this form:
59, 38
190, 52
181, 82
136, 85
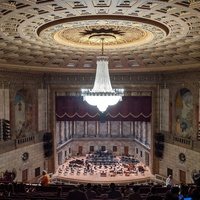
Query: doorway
80, 150
169, 172
182, 175
126, 151
24, 175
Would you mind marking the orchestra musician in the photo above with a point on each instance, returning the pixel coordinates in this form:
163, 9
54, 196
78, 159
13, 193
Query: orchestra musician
131, 166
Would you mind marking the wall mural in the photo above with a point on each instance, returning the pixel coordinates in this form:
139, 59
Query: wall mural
23, 114
184, 113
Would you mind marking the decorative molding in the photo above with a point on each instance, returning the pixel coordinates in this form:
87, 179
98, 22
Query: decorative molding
173, 46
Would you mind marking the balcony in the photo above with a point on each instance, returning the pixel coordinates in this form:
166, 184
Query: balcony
179, 141
25, 141
183, 142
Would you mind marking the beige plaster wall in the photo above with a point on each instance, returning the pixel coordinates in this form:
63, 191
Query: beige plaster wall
13, 160
171, 160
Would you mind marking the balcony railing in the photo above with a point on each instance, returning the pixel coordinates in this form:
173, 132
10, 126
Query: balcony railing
25, 140
184, 142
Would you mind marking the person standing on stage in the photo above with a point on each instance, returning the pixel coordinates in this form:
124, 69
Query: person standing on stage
169, 181
45, 180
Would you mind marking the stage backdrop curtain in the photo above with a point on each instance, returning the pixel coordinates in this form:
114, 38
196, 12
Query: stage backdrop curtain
73, 108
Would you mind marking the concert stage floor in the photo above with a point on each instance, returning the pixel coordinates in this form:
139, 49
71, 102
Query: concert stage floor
102, 175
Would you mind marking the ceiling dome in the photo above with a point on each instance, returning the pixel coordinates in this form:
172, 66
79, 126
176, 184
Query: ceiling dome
64, 36
117, 33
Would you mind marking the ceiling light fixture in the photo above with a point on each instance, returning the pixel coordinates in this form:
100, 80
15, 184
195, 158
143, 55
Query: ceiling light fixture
102, 95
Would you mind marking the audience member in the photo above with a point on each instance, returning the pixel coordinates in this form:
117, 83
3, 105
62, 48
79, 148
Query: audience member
45, 180
152, 195
190, 190
195, 194
128, 190
198, 180
136, 193
89, 192
122, 190
10, 189
95, 188
82, 187
113, 193
168, 195
100, 189
172, 194
184, 190
175, 191
76, 194
59, 192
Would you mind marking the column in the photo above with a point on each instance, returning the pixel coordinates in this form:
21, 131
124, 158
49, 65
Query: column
65, 131
148, 133
144, 132
109, 132
70, 129
139, 130
85, 128
59, 133
136, 130
132, 129
121, 129
97, 128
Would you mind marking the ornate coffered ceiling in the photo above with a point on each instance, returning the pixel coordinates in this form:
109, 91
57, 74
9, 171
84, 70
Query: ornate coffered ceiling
65, 35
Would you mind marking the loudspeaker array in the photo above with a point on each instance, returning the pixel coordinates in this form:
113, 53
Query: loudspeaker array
48, 144
5, 133
159, 145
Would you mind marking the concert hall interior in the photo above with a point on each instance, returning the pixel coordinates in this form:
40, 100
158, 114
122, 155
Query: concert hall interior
49, 53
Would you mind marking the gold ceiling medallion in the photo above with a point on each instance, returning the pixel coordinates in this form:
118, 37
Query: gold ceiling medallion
109, 35
87, 34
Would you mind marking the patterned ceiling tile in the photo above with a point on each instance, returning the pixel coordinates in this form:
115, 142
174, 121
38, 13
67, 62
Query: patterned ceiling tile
65, 34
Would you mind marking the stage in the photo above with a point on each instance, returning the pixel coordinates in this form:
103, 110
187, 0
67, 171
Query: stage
77, 170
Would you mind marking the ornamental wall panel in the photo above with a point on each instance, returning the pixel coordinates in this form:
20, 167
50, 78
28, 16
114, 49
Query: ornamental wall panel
115, 128
42, 109
80, 129
103, 129
91, 128
164, 110
4, 104
126, 128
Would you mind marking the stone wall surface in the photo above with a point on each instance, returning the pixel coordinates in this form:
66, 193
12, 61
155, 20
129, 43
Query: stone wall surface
171, 160
12, 161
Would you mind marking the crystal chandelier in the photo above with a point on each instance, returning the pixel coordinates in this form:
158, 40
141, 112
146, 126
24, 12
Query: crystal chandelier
102, 95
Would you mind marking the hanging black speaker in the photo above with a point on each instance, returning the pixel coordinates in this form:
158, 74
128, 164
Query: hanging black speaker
6, 129
48, 145
47, 137
159, 137
159, 154
48, 153
159, 146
